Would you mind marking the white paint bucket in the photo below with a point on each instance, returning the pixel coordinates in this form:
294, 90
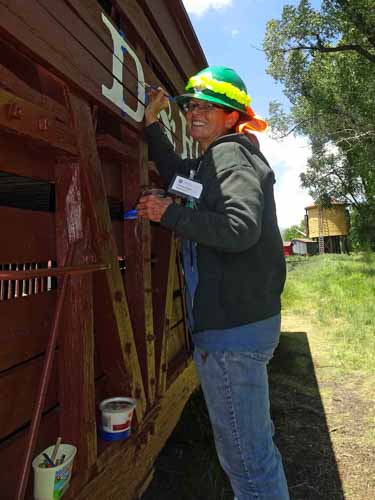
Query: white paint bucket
117, 414
51, 483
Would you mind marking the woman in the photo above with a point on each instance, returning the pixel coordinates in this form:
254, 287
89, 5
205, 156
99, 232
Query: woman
234, 269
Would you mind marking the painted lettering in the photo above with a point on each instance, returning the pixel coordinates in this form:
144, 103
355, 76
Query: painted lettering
187, 141
116, 93
169, 124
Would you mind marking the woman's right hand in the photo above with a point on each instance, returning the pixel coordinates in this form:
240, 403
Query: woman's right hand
158, 102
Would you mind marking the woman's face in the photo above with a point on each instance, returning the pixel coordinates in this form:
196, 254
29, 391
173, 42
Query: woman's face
207, 122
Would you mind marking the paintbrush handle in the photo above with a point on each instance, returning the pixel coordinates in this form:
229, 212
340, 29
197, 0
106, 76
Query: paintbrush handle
154, 87
56, 449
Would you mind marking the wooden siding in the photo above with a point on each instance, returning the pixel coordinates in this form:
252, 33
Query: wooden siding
72, 158
334, 220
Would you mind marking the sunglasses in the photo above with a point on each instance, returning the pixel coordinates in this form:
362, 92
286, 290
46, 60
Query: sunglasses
204, 107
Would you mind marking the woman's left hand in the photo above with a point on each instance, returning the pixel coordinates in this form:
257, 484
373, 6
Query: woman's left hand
152, 207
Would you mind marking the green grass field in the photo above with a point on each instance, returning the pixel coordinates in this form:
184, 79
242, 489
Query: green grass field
337, 292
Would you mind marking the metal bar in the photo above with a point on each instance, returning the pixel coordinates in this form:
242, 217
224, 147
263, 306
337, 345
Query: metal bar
52, 271
44, 381
42, 389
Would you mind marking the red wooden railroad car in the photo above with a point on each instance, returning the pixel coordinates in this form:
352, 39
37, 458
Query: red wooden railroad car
91, 306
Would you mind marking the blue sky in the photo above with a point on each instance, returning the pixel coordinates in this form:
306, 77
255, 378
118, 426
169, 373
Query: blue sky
227, 30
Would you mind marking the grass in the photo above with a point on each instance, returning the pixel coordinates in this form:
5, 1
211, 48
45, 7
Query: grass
338, 293
334, 293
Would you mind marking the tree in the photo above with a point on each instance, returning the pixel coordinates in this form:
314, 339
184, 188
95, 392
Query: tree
326, 62
294, 232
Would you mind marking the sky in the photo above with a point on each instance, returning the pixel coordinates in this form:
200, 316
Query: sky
228, 31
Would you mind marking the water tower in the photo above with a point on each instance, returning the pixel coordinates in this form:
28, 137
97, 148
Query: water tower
329, 226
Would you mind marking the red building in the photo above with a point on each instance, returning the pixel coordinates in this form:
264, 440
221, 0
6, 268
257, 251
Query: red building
288, 248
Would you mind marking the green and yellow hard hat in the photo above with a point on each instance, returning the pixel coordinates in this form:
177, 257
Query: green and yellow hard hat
222, 86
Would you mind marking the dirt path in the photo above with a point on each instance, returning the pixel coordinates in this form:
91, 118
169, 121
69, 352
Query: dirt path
325, 418
325, 427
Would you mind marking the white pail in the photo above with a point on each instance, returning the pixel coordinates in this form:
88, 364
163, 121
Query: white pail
117, 414
51, 483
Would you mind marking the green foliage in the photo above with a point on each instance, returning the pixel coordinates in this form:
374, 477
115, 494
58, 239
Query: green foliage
295, 231
337, 291
362, 232
326, 62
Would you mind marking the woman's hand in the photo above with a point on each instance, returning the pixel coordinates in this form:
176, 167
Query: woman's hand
152, 207
158, 102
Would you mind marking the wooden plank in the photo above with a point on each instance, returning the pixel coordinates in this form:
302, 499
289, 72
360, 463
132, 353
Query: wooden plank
182, 294
25, 325
26, 236
175, 31
133, 455
66, 44
18, 388
115, 340
77, 52
10, 82
177, 341
34, 122
137, 275
76, 344
112, 176
168, 317
161, 244
25, 161
177, 365
118, 235
134, 12
78, 30
12, 451
113, 149
102, 74
90, 11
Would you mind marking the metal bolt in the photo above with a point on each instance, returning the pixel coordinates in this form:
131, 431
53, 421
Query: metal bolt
128, 348
15, 111
118, 296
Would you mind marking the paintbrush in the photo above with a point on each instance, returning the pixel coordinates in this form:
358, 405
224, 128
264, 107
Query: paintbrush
154, 87
56, 449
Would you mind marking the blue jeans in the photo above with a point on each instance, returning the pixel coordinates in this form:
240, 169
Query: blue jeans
235, 387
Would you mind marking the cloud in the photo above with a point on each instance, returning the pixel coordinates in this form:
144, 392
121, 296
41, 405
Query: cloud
235, 32
199, 7
288, 158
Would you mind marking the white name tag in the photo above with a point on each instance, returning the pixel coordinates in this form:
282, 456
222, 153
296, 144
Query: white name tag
187, 188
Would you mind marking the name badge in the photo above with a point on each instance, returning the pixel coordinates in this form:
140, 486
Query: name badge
186, 188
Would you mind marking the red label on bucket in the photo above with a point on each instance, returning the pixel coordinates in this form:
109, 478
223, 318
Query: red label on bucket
119, 427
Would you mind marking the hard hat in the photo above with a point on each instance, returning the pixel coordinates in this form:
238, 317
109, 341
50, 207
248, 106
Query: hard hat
224, 87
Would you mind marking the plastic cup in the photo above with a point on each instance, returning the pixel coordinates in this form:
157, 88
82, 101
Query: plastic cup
51, 483
117, 414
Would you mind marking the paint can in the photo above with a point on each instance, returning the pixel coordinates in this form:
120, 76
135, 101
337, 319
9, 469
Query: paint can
117, 414
50, 483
